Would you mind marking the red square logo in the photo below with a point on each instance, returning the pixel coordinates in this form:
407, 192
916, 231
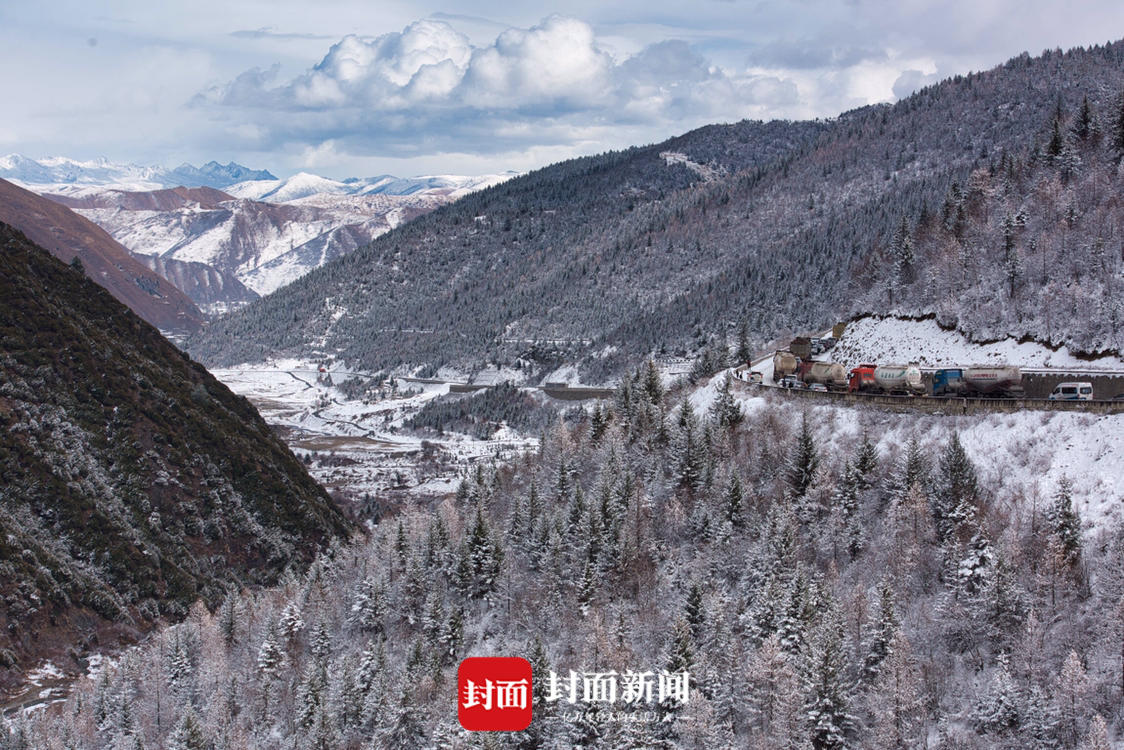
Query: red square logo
494, 694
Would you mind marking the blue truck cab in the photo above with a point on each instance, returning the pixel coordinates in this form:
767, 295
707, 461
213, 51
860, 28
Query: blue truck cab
948, 382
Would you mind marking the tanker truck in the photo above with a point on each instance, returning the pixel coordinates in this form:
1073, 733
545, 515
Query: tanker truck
897, 379
992, 381
830, 374
784, 364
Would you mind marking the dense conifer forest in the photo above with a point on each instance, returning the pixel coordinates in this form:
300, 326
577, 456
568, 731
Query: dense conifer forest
823, 588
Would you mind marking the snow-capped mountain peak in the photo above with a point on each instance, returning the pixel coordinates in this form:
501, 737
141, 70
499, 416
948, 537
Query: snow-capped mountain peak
55, 173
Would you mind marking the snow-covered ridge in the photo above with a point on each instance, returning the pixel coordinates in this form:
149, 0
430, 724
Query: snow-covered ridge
304, 185
60, 174
265, 245
56, 173
925, 342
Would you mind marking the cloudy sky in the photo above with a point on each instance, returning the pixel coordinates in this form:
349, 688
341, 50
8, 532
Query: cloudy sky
362, 87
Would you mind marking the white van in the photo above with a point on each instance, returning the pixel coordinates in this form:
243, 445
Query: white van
1072, 392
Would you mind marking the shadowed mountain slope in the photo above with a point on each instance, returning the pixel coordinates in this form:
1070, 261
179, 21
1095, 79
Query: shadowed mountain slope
132, 482
66, 235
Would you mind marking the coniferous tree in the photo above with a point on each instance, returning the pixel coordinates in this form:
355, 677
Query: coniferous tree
1000, 708
291, 623
311, 695
367, 607
598, 422
694, 611
1041, 722
1064, 520
845, 502
401, 546
1083, 126
866, 462
587, 590
691, 463
796, 618
405, 730
1057, 143
913, 471
726, 412
903, 255
321, 643
652, 383
681, 654
733, 501
180, 667
271, 657
228, 620
1012, 265
481, 559
1118, 129
882, 639
743, 354
452, 638
956, 490
976, 565
188, 734
827, 700
804, 461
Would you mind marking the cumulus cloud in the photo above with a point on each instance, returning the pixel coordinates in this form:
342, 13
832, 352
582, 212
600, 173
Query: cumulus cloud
427, 87
912, 80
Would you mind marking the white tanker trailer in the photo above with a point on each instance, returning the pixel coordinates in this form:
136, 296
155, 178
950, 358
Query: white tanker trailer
784, 364
899, 379
830, 374
872, 378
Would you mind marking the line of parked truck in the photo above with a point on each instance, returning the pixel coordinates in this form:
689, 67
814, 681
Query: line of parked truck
978, 381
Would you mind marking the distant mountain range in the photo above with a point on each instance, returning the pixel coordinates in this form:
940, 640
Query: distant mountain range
60, 171
303, 185
59, 174
224, 251
227, 234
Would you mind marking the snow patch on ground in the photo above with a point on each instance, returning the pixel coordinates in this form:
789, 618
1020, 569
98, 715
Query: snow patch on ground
1025, 454
493, 375
703, 397
925, 342
566, 374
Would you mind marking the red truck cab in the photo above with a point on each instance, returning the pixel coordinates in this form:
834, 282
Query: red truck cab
861, 378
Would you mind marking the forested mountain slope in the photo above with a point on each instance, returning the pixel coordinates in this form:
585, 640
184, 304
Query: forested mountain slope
131, 481
534, 257
779, 225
